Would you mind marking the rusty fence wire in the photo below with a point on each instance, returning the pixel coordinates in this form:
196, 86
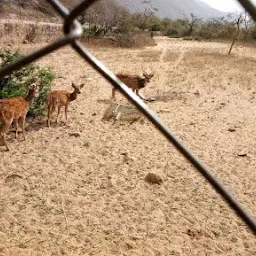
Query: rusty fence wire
72, 32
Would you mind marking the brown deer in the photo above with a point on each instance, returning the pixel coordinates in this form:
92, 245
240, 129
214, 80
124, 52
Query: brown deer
15, 109
134, 82
58, 99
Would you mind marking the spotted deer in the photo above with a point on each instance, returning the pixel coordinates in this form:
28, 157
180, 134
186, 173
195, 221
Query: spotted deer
134, 82
15, 110
58, 99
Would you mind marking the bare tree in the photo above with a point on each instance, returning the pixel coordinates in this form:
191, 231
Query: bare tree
237, 22
105, 15
143, 18
192, 24
247, 25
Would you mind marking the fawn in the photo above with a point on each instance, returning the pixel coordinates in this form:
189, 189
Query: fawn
15, 109
134, 82
61, 99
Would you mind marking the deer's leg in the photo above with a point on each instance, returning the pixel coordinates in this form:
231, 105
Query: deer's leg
4, 129
51, 109
49, 116
113, 94
141, 96
16, 124
59, 107
66, 113
137, 93
23, 123
3, 135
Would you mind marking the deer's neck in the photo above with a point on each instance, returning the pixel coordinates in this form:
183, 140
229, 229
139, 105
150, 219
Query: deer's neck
141, 82
30, 97
73, 96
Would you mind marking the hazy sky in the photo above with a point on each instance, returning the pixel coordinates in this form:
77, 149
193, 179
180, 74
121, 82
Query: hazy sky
225, 5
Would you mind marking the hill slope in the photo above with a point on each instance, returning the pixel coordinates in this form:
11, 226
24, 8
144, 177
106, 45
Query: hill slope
174, 8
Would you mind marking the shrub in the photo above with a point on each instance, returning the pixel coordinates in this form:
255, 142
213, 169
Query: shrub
188, 38
16, 84
93, 31
134, 40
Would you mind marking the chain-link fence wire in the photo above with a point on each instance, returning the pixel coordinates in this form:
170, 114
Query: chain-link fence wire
72, 33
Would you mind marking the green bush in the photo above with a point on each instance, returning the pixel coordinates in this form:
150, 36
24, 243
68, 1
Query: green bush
93, 31
17, 83
134, 40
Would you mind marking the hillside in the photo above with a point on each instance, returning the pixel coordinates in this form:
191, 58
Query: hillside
174, 8
165, 8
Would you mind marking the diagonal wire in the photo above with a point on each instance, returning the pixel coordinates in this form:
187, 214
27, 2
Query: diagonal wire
59, 8
217, 185
249, 7
72, 30
76, 12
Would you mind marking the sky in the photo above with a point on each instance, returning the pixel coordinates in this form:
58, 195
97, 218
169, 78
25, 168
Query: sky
225, 5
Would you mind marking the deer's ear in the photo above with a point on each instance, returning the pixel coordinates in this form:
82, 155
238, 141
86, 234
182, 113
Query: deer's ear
81, 86
73, 85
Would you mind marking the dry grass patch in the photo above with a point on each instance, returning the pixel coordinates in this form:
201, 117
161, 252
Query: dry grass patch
150, 56
138, 40
225, 69
170, 56
202, 59
169, 96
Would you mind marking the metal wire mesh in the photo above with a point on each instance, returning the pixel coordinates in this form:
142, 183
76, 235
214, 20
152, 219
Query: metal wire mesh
72, 33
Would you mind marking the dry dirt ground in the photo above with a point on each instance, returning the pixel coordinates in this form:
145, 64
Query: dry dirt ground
79, 189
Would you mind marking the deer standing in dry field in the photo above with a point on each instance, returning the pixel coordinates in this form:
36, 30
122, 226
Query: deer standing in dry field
134, 82
15, 109
58, 99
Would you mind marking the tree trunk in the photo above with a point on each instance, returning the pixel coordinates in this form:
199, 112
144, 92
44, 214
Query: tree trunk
233, 42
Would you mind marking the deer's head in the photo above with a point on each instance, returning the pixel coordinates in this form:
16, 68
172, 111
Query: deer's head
147, 77
77, 88
34, 90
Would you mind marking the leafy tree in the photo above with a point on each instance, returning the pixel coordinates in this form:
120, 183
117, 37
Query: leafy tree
192, 24
154, 24
237, 22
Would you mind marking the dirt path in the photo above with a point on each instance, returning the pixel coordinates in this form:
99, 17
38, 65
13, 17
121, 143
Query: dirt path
79, 189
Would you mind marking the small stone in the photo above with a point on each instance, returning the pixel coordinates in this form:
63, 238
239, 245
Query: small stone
94, 114
87, 144
197, 93
75, 134
242, 153
127, 158
231, 129
130, 245
153, 178
165, 110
